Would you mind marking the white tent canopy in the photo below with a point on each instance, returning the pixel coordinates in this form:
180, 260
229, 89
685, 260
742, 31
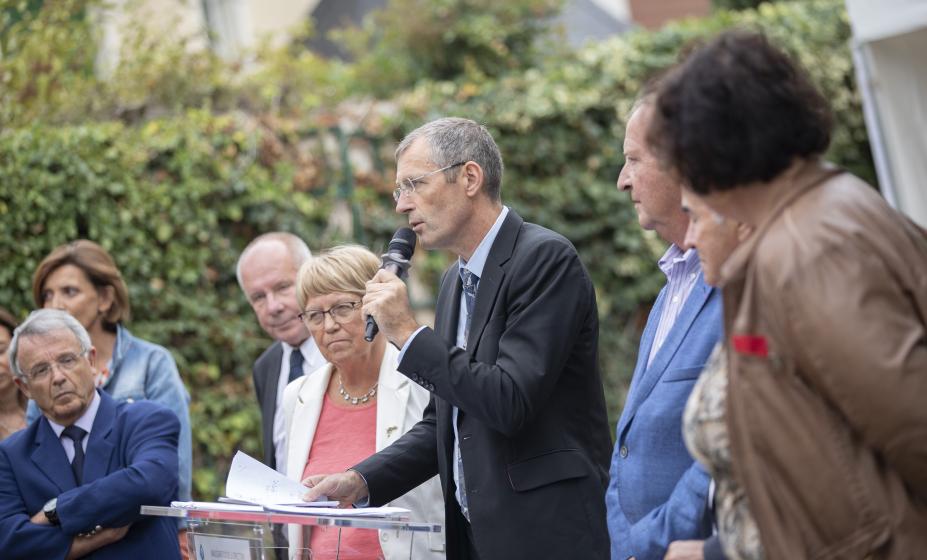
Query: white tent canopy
890, 54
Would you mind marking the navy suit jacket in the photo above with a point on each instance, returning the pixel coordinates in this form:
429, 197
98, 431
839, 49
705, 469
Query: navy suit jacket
657, 493
266, 376
533, 427
131, 460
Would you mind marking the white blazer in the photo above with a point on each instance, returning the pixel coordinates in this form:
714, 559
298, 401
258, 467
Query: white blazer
400, 403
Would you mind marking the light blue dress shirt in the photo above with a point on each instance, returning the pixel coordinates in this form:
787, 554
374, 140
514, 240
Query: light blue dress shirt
475, 265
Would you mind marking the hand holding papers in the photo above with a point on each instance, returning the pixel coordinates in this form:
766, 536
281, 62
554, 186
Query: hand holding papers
347, 487
253, 487
251, 481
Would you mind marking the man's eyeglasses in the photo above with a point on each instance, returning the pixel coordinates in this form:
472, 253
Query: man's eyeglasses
407, 185
339, 313
66, 362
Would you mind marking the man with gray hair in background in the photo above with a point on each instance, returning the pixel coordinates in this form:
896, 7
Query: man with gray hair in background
73, 482
516, 426
266, 272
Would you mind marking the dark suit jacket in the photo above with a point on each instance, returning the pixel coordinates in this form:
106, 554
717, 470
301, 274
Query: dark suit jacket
131, 461
266, 375
533, 428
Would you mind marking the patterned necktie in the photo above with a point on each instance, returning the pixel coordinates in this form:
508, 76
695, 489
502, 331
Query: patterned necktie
76, 435
471, 283
296, 364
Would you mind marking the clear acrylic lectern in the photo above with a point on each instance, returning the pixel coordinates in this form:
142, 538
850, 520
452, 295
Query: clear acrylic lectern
246, 535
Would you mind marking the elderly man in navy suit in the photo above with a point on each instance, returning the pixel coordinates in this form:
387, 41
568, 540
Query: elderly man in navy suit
72, 483
657, 493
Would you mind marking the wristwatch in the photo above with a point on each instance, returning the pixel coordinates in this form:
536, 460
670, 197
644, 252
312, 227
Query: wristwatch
51, 511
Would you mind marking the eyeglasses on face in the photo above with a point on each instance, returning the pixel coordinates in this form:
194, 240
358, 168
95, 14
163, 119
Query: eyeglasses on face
66, 362
339, 313
407, 185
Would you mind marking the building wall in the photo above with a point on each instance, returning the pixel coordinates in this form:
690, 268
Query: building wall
274, 17
654, 13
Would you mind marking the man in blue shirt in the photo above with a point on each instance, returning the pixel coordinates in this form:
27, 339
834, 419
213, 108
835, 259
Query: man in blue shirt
657, 493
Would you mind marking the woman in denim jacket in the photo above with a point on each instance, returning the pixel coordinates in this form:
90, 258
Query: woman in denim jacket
82, 279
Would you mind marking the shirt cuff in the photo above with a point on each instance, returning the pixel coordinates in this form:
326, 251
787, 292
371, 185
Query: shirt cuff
366, 501
402, 351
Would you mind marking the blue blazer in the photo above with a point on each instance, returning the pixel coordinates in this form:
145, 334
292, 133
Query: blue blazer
657, 493
131, 461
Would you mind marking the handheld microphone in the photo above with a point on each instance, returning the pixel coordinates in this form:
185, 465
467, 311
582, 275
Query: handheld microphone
396, 260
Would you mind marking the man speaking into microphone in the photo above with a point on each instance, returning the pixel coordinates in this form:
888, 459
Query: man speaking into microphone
516, 426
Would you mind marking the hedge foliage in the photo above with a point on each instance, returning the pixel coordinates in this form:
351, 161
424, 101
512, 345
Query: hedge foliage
176, 197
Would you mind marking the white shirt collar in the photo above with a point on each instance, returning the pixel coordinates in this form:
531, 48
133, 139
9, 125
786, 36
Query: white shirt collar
478, 258
312, 357
85, 422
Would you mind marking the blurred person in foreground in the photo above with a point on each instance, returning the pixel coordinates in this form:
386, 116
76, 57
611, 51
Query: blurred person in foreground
12, 400
704, 427
516, 426
657, 492
352, 407
82, 278
825, 308
73, 482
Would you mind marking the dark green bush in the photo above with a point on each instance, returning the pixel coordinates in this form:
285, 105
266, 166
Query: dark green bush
174, 201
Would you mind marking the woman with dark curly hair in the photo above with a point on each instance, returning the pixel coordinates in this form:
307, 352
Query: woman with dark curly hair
12, 400
825, 309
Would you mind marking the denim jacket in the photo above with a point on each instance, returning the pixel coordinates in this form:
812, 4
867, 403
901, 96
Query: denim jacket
142, 370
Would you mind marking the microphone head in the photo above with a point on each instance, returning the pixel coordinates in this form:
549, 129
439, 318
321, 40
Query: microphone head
403, 242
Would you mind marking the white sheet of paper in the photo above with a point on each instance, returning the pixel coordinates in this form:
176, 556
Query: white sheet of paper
216, 506
252, 481
384, 512
317, 503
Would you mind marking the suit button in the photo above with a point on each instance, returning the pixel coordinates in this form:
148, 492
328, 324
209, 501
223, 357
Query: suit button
383, 536
623, 451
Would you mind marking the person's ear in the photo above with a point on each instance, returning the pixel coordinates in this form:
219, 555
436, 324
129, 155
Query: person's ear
23, 386
106, 295
473, 178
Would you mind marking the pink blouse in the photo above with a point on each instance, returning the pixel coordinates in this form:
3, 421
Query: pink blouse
345, 435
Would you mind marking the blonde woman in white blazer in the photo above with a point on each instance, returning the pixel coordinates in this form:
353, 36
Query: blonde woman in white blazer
330, 413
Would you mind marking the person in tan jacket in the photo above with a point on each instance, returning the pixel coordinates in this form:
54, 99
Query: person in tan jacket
825, 309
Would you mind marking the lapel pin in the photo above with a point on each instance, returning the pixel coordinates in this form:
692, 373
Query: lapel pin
390, 430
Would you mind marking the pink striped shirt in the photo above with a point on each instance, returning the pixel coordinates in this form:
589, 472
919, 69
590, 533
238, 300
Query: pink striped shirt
682, 270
